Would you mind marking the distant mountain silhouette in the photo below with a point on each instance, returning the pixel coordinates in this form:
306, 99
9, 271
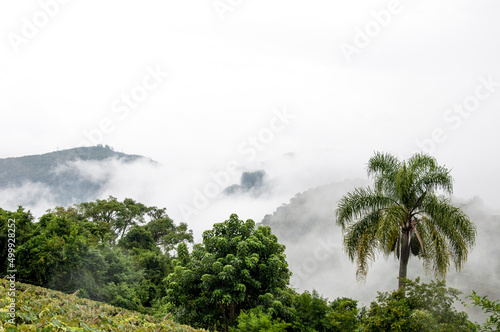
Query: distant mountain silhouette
310, 212
250, 182
57, 171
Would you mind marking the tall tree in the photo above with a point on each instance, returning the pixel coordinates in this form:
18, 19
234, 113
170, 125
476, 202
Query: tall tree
230, 271
15, 228
408, 211
113, 215
165, 233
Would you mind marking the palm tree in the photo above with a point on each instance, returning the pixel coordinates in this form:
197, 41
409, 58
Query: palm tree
403, 214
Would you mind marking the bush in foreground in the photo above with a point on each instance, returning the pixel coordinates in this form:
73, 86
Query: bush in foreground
42, 309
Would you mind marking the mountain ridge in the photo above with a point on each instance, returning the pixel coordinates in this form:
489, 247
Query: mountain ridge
60, 172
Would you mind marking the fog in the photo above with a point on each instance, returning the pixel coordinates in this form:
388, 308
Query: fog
305, 92
196, 89
296, 199
35, 197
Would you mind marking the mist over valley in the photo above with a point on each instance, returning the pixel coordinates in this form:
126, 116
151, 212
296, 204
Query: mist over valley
304, 221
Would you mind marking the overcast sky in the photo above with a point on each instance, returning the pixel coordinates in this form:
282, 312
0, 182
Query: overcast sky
198, 85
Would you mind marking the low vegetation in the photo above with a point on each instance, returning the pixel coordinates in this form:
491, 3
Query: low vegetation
42, 309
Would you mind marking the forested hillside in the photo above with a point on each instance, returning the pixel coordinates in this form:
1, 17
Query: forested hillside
113, 251
61, 172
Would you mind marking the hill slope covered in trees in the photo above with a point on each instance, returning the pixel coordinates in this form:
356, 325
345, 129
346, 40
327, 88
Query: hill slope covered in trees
66, 174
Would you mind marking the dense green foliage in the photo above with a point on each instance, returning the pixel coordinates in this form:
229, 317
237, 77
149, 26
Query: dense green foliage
230, 271
424, 307
237, 279
403, 214
258, 321
490, 307
417, 307
41, 309
290, 311
312, 312
105, 249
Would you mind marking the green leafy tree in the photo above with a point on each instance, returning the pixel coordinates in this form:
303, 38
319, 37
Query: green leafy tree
113, 219
344, 315
234, 266
123, 274
165, 233
20, 230
131, 214
54, 252
156, 267
125, 295
139, 238
60, 254
103, 214
113, 215
417, 307
256, 320
101, 210
489, 307
310, 311
403, 214
148, 258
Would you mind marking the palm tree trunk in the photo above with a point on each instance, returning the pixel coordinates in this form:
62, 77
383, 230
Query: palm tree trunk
405, 255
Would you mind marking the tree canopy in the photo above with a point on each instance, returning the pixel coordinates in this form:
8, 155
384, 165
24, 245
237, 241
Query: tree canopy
419, 307
237, 279
108, 250
234, 266
404, 214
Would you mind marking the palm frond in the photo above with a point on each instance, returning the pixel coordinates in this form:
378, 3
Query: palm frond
365, 253
421, 163
437, 252
368, 224
438, 179
360, 242
383, 168
389, 228
427, 255
429, 176
454, 224
358, 203
382, 163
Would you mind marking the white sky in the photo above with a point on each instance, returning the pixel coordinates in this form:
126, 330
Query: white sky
227, 76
